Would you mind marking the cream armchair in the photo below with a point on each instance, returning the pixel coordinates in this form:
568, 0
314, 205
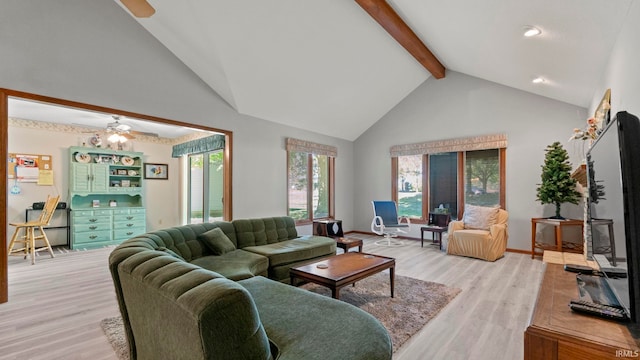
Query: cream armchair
481, 234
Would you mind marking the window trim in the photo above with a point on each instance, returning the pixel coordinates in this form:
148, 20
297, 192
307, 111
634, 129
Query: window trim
460, 178
331, 188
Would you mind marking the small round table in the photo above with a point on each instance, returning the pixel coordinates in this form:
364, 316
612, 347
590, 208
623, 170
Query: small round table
434, 230
347, 243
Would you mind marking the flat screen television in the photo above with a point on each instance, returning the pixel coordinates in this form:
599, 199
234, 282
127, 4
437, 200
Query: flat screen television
613, 168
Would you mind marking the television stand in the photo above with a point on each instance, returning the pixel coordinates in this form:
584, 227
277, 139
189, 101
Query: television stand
556, 332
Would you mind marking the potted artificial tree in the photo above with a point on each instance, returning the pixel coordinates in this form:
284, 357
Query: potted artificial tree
557, 184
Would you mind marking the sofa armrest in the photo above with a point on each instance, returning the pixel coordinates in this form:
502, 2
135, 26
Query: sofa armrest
454, 226
201, 314
498, 230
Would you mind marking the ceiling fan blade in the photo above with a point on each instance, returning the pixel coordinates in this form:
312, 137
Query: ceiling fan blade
142, 133
90, 129
139, 8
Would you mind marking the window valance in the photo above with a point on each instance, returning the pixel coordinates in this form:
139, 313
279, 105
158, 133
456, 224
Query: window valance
209, 143
311, 147
483, 142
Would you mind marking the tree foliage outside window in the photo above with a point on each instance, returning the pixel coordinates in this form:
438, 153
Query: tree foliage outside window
482, 177
410, 186
308, 185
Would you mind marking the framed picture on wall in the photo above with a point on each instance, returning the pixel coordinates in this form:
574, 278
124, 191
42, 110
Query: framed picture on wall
156, 171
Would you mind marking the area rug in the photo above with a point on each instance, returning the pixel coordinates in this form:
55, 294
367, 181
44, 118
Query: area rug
415, 302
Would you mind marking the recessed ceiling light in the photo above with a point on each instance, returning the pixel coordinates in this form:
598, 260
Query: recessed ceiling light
538, 80
530, 31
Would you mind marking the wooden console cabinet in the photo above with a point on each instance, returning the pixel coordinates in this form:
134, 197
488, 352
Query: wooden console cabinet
106, 197
556, 332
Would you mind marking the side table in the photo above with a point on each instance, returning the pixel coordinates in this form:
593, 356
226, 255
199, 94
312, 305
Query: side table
329, 228
348, 243
434, 230
558, 246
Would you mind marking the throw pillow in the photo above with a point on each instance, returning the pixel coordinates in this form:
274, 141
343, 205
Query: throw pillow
217, 241
479, 217
170, 252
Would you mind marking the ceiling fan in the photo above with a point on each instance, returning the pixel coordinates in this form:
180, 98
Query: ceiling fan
139, 8
121, 131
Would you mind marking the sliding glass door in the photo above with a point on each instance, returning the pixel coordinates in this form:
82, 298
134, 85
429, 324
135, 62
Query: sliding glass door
205, 187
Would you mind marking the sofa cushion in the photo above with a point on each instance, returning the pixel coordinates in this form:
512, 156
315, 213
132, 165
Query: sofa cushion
305, 325
182, 239
289, 251
256, 232
217, 241
479, 217
170, 252
235, 265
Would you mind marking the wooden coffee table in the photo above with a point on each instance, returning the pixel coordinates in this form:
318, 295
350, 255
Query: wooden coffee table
347, 243
342, 270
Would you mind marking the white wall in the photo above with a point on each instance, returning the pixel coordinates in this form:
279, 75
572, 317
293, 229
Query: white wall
93, 52
622, 73
461, 106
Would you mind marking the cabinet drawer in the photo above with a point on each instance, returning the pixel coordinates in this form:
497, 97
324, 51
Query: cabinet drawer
128, 211
91, 227
81, 213
91, 236
124, 234
128, 217
128, 225
85, 213
92, 219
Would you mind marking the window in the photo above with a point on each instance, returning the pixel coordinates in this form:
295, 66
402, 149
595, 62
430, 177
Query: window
206, 184
443, 182
440, 178
482, 177
410, 186
434, 181
205, 188
310, 181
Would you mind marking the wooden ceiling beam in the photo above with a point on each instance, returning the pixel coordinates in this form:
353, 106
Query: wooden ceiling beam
384, 14
139, 8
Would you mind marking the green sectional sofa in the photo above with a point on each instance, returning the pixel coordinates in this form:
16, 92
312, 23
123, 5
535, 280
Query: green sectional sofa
266, 247
189, 292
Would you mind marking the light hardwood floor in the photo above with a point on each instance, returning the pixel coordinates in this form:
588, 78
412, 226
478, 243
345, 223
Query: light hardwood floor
55, 306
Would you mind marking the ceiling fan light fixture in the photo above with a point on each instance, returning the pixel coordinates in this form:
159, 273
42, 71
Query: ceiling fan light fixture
139, 8
530, 31
117, 138
114, 138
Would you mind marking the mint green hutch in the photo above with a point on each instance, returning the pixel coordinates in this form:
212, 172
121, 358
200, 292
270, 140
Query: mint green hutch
106, 196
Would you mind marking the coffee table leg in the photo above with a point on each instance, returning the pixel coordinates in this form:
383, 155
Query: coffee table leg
335, 293
391, 279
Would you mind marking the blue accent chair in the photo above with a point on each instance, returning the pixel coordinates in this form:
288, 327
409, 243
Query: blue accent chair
387, 222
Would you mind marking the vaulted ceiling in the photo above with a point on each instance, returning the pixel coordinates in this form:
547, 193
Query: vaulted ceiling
328, 67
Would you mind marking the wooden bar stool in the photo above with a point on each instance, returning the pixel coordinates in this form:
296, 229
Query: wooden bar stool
29, 238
